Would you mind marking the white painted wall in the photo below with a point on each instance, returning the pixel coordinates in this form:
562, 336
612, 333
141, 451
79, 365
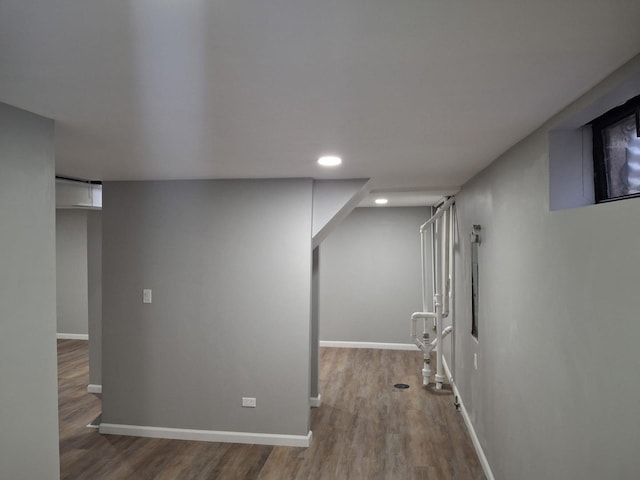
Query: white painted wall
71, 271
229, 263
555, 395
94, 287
28, 381
370, 275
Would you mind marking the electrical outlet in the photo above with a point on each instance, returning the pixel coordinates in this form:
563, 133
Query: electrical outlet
146, 295
475, 361
249, 402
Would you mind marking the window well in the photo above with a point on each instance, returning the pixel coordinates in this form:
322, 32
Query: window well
616, 152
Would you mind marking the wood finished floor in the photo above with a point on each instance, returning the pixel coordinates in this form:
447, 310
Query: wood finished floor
365, 429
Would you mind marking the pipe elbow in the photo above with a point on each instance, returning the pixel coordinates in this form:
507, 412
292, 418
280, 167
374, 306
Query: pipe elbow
417, 315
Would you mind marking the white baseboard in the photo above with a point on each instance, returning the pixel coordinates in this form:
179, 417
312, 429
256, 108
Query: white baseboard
467, 421
207, 435
72, 336
376, 345
91, 388
315, 402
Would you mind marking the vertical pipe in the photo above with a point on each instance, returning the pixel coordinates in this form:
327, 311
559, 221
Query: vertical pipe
433, 266
423, 257
438, 260
445, 255
442, 231
426, 369
452, 304
444, 291
423, 271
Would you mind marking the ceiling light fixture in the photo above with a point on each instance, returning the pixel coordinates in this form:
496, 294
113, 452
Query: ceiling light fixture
329, 161
381, 201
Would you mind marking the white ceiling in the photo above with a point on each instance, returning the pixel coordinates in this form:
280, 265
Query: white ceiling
415, 94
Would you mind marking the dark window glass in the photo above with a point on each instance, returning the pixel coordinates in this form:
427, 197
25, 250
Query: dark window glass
474, 288
616, 152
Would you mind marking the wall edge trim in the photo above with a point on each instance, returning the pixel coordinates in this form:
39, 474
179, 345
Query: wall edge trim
72, 336
93, 388
207, 435
470, 428
315, 402
375, 345
341, 214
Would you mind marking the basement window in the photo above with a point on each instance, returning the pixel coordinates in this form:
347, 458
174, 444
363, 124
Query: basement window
475, 241
616, 152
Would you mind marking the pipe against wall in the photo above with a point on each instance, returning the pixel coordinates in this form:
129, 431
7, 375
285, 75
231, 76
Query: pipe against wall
452, 289
439, 212
445, 254
441, 225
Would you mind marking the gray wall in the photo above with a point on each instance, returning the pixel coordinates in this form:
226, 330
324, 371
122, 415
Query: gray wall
315, 323
229, 263
71, 271
94, 288
370, 275
333, 201
28, 382
555, 395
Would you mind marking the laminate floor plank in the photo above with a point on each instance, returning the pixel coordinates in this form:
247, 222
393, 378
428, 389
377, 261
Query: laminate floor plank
364, 429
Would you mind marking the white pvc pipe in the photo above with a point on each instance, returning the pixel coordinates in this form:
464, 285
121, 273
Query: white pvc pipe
439, 369
423, 259
432, 229
440, 291
426, 369
416, 315
441, 227
445, 332
414, 318
438, 213
452, 290
445, 255
438, 299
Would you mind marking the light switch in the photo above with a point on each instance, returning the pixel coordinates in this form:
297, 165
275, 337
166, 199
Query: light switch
146, 295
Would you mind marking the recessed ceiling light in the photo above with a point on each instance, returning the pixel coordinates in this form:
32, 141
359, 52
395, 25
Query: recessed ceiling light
381, 201
329, 161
